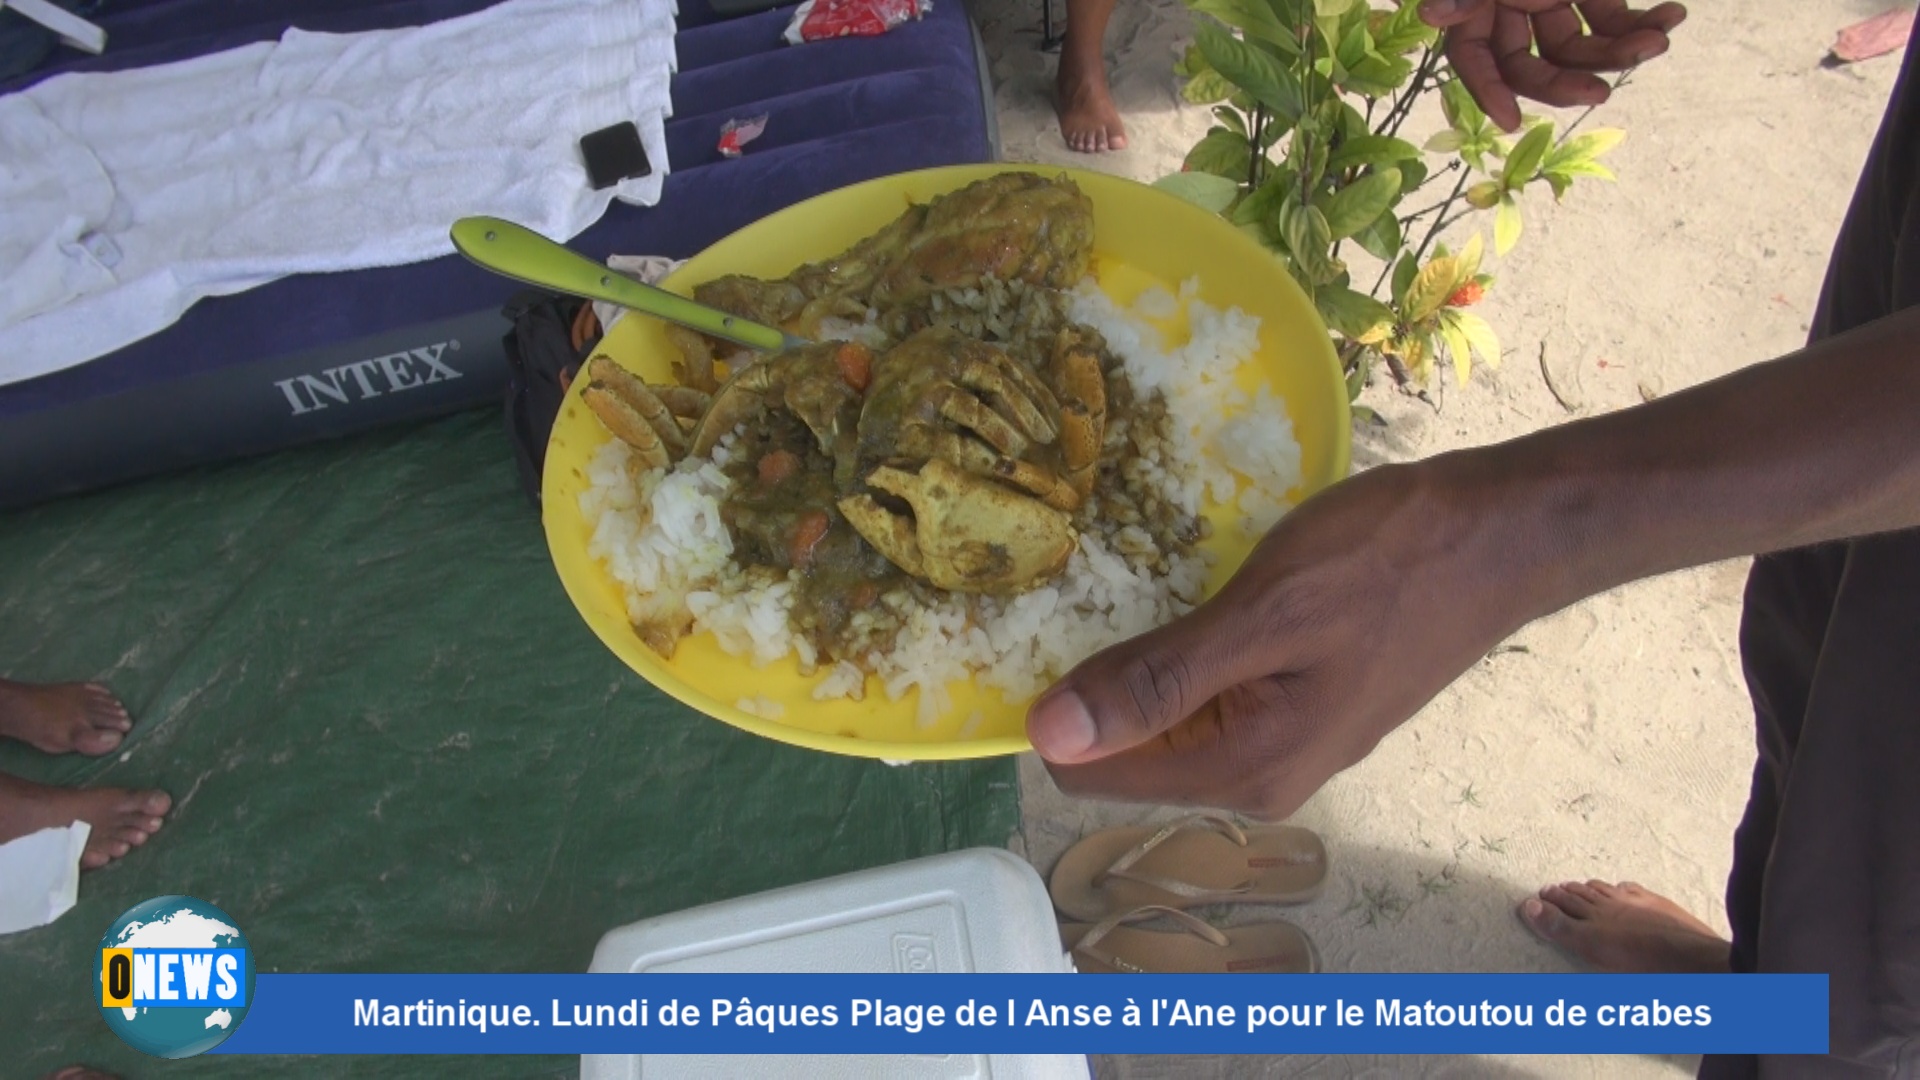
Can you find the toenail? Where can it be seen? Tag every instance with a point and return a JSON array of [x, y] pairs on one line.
[[1532, 908]]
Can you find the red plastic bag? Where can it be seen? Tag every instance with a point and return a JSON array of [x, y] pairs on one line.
[[817, 20], [736, 134]]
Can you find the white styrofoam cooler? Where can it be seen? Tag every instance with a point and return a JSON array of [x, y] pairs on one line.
[[981, 910]]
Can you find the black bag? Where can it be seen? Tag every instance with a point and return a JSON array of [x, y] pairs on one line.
[[550, 339]]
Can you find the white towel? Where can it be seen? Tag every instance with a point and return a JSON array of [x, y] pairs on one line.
[[126, 196]]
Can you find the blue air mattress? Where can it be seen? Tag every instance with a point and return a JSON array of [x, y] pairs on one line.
[[323, 355]]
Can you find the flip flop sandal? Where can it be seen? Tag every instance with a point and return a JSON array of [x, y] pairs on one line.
[[1114, 947], [1192, 862]]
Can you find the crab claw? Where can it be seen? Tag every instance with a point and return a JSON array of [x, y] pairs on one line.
[[644, 417], [813, 382], [1082, 391], [967, 534]]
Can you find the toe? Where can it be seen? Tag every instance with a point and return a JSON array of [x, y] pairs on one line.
[[1589, 891], [1544, 918], [156, 803], [1603, 888], [96, 741], [1116, 141], [107, 699], [102, 704], [1564, 898], [132, 836], [93, 858]]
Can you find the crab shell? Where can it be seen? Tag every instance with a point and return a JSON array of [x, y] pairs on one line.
[[967, 533]]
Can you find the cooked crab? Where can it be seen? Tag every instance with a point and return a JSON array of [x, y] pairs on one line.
[[820, 384], [940, 394], [966, 533], [1016, 226], [653, 420]]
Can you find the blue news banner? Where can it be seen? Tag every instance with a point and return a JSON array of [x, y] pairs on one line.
[[1033, 1014]]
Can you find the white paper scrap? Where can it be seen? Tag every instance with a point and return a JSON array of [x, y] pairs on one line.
[[40, 876]]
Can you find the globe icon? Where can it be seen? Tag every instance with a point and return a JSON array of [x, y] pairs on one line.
[[176, 1031]]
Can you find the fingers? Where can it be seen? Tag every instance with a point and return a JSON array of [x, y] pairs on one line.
[[1242, 751], [1492, 46], [1444, 14], [1532, 77], [1626, 43], [1469, 49], [1134, 691], [1613, 18], [1565, 42]]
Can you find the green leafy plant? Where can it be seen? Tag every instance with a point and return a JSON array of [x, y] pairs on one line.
[[1307, 155]]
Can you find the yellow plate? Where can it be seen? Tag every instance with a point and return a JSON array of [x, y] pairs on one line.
[[1143, 237]]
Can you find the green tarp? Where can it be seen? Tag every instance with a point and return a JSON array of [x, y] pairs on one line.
[[391, 743]]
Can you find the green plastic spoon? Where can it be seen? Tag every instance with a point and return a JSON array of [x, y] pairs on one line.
[[518, 252]]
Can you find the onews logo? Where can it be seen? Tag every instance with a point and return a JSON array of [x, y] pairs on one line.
[[175, 977]]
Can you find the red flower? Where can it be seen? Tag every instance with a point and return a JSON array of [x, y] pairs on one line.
[[1467, 295]]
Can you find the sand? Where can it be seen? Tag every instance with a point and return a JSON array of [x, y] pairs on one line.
[[1615, 739]]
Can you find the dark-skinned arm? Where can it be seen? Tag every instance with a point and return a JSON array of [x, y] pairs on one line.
[[1363, 604]]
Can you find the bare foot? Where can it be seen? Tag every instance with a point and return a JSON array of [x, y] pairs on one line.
[[1624, 929], [1089, 120], [80, 1072], [122, 820], [63, 718]]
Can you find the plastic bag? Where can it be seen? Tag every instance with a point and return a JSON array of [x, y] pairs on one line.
[[817, 20], [551, 336], [736, 134]]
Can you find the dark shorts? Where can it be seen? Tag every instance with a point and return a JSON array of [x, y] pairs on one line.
[[1826, 867]]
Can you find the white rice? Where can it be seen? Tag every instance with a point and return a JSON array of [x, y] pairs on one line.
[[661, 536], [761, 706]]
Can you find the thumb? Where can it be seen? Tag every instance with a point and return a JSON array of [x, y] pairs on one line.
[[1129, 693]]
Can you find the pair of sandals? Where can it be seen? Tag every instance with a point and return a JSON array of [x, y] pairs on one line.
[[1113, 880]]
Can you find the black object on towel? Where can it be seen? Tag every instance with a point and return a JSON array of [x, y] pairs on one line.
[[541, 362], [614, 154]]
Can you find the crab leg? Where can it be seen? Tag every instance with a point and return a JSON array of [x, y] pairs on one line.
[[966, 411], [633, 412], [684, 402], [1083, 409], [1014, 389]]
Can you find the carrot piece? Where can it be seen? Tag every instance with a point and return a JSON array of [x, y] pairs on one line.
[[778, 466], [864, 594], [856, 364], [807, 536]]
